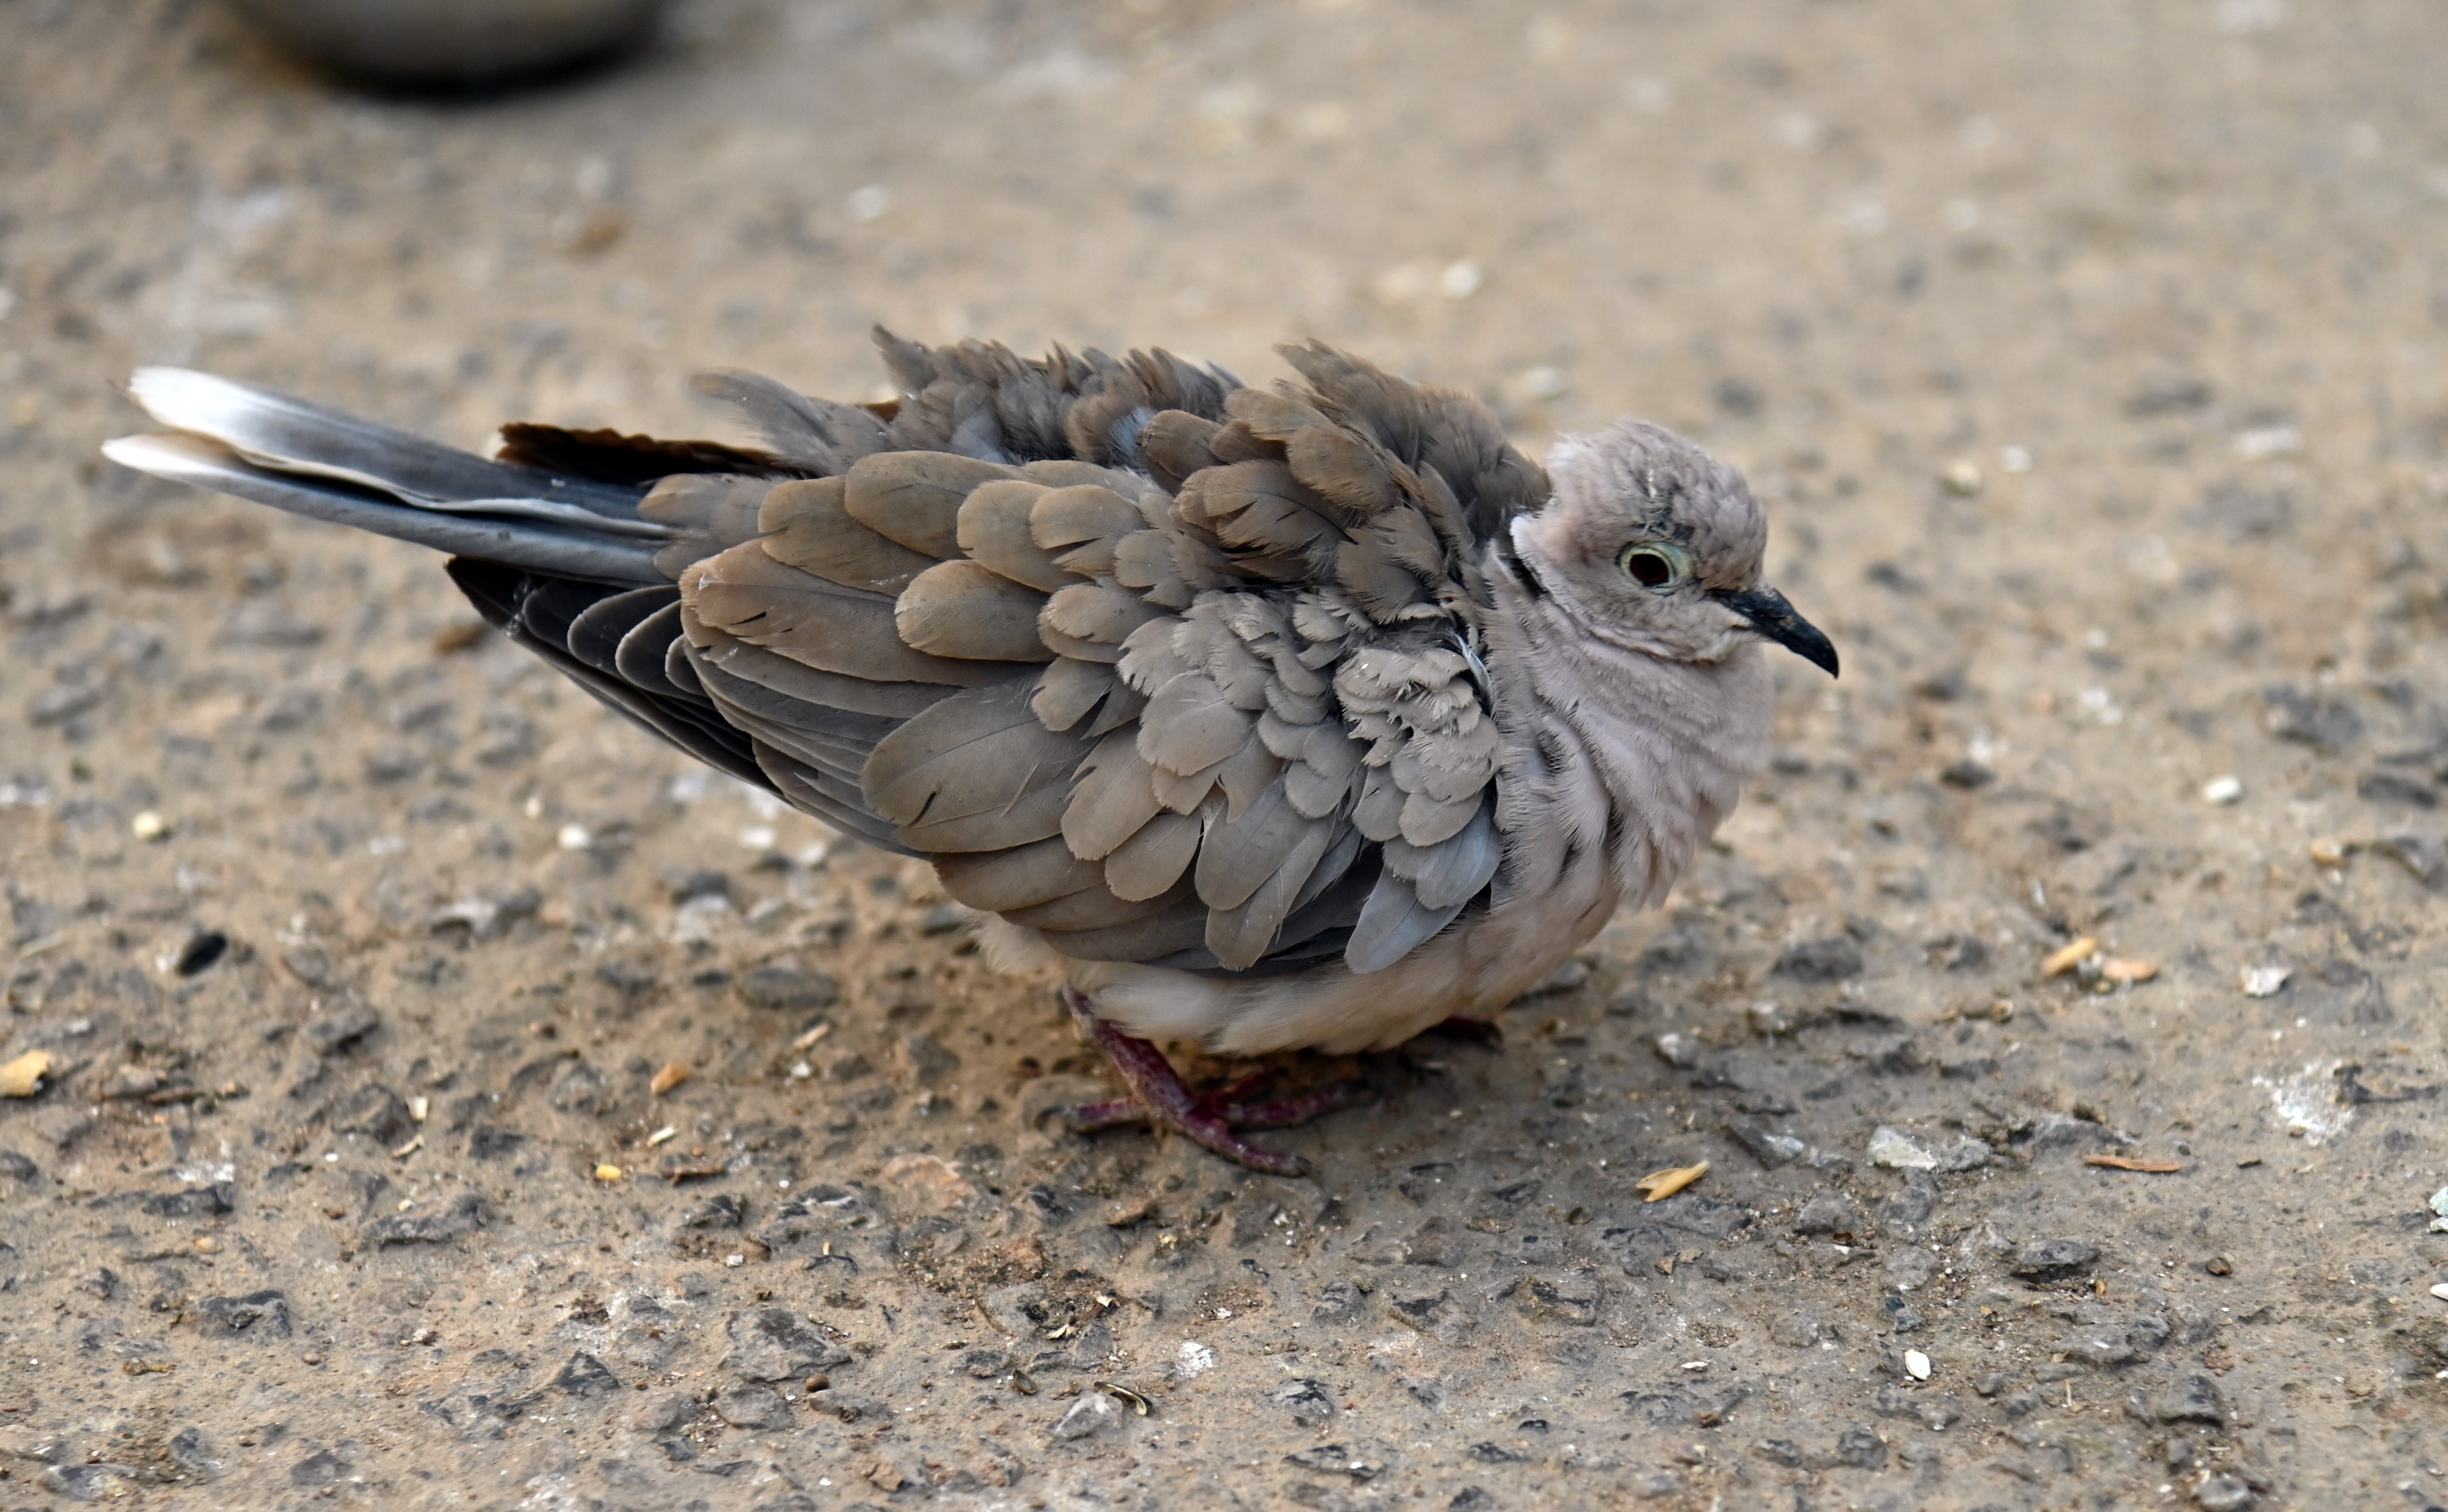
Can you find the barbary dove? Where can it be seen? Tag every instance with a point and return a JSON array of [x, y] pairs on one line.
[[1297, 718]]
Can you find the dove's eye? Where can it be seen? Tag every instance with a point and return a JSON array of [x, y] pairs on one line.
[[1659, 567]]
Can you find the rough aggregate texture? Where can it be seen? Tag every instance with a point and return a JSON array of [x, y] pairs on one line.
[[456, 1100]]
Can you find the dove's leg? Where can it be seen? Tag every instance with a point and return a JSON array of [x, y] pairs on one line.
[[1159, 1096]]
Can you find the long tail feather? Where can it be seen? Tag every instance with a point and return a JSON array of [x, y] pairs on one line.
[[260, 443], [550, 548]]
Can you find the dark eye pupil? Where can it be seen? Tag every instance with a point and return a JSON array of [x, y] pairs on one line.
[[1649, 568]]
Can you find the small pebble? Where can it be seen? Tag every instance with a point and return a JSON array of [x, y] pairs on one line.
[[2265, 980], [2222, 790], [149, 825], [574, 837], [2219, 1265], [869, 202], [1917, 1364], [1961, 477]]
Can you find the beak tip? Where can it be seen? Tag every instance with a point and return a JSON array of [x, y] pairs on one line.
[[1768, 613]]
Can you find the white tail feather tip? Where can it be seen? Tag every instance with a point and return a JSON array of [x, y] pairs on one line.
[[187, 400]]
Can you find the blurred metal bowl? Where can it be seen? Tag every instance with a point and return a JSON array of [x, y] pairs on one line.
[[452, 42]]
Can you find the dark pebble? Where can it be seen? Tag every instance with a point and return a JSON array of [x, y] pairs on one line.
[[2397, 788], [2052, 1259], [1829, 960], [199, 954], [2189, 1399], [1967, 774], [789, 988], [258, 1312], [584, 1375], [1308, 1402]]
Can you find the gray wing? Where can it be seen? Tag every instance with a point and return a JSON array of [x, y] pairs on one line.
[[1167, 669]]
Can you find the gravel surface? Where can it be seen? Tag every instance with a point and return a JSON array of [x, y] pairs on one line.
[[444, 1097]]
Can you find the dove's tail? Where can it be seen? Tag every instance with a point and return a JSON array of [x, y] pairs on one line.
[[260, 443]]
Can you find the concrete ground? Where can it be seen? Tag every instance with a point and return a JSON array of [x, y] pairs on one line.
[[2090, 356]]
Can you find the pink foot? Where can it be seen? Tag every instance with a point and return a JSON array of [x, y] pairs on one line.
[[1158, 1098]]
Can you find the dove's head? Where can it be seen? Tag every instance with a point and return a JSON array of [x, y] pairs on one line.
[[1655, 545]]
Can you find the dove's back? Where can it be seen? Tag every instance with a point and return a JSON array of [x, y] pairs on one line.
[[1174, 675]]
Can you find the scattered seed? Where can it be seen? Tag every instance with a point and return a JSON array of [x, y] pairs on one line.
[[2127, 1162], [460, 634], [2222, 790], [2441, 1291], [1122, 1393], [149, 826], [418, 1107], [1022, 1383], [23, 1077], [607, 1172], [206, 1244], [669, 1077], [1659, 1185], [813, 1033], [1961, 477], [2219, 1265], [661, 1136], [2328, 851], [1917, 1364], [2118, 968], [2065, 958]]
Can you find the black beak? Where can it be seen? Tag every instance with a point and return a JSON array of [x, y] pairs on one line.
[[1773, 618]]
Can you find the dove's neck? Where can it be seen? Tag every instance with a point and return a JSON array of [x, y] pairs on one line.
[[1613, 752]]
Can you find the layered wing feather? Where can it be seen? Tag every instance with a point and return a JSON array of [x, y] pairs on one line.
[[1165, 668]]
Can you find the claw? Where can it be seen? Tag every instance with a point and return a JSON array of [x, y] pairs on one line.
[[1158, 1098]]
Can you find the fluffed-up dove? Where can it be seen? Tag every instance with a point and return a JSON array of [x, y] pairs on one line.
[[1303, 717]]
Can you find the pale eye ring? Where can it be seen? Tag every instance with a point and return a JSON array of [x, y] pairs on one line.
[[1661, 566]]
